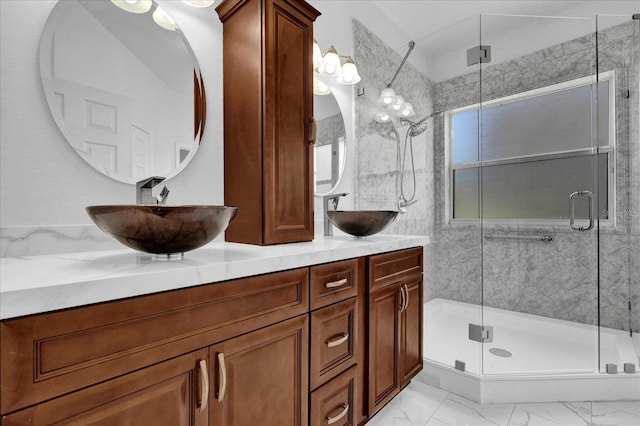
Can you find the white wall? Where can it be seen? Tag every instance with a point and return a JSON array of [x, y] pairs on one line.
[[43, 182]]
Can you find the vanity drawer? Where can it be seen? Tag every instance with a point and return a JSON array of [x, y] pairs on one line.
[[333, 282], [44, 356], [334, 340], [389, 268], [335, 402]]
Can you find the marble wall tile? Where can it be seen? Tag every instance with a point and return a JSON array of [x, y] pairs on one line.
[[376, 145], [557, 280], [330, 129]]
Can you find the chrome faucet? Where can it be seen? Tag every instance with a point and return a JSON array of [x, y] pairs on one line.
[[143, 191], [334, 199]]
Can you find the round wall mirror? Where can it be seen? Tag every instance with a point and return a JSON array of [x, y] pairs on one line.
[[330, 147], [123, 86]]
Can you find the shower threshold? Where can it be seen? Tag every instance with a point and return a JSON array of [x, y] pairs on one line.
[[550, 359]]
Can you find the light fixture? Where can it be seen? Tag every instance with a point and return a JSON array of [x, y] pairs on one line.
[[133, 6], [398, 104], [382, 117], [330, 63], [406, 111], [199, 3], [163, 19], [320, 87], [349, 72], [387, 97]]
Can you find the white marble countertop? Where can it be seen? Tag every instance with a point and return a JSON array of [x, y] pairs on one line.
[[36, 284]]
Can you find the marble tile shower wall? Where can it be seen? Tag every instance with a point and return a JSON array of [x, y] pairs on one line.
[[555, 280], [375, 170], [330, 129], [559, 279]]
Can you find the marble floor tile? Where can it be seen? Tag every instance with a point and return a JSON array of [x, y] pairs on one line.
[[616, 413], [422, 405], [415, 405], [556, 413], [456, 410]]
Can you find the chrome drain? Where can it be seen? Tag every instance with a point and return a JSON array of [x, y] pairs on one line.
[[500, 352]]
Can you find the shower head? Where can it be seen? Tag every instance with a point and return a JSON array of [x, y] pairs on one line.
[[417, 130], [419, 127]]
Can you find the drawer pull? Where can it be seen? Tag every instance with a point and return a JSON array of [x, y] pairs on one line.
[[345, 410], [338, 283], [340, 340], [222, 369], [204, 385]]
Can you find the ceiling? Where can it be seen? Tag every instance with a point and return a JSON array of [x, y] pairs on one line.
[[444, 29]]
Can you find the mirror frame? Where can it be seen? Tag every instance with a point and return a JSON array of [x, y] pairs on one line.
[[45, 64], [346, 142]]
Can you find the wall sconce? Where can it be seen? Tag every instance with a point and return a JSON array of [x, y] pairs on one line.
[[329, 64]]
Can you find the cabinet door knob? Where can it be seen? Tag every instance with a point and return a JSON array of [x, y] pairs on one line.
[[340, 340], [203, 395], [338, 283], [222, 370], [345, 410]]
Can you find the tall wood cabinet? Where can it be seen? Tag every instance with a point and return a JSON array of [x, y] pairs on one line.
[[395, 324], [268, 119]]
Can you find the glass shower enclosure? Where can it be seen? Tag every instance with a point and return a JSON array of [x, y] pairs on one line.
[[538, 165]]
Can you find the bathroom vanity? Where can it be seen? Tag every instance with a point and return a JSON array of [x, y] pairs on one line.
[[315, 333]]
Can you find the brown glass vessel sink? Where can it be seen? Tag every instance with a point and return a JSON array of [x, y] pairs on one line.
[[361, 223], [162, 229]]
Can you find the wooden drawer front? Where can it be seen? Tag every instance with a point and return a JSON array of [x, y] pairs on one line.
[[333, 282], [334, 403], [46, 355], [333, 340], [388, 268]]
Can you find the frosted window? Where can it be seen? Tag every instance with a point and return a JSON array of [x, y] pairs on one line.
[[536, 151]]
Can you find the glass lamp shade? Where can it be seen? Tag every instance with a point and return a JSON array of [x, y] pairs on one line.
[[320, 88], [133, 6], [407, 111], [382, 117], [398, 104], [349, 73], [387, 97], [199, 3], [331, 63], [163, 19]]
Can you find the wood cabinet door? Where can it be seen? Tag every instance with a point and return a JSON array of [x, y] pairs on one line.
[[384, 346], [169, 393], [262, 378], [411, 330], [288, 108]]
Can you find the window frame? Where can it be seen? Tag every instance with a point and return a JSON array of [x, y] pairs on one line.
[[609, 149]]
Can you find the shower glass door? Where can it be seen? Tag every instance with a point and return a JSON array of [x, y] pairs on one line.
[[544, 177], [619, 252]]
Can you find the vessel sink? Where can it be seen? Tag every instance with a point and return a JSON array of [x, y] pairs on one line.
[[164, 230], [361, 223]]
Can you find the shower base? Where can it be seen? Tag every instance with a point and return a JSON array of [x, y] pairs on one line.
[[531, 358]]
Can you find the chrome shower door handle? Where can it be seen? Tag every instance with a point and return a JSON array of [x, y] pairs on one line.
[[572, 214]]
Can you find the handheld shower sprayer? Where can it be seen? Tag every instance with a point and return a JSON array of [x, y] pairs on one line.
[[415, 129]]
